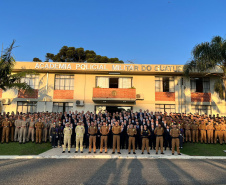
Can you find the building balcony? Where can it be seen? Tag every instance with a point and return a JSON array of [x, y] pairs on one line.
[[164, 96], [28, 94], [63, 94], [121, 95], [200, 97]]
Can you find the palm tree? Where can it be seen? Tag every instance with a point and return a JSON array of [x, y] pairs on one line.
[[207, 56], [7, 79]]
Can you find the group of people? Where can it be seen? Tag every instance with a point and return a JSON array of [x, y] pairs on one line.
[[118, 130]]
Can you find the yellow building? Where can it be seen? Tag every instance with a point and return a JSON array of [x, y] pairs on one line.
[[98, 86]]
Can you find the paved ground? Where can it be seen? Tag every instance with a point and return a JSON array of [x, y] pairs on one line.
[[57, 152], [112, 171]]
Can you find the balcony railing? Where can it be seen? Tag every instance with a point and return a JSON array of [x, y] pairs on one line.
[[63, 94], [28, 94], [114, 93], [200, 97], [164, 96]]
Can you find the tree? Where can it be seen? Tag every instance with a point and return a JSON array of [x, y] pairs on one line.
[[90, 54], [207, 56], [81, 55], [36, 60], [7, 79], [72, 54]]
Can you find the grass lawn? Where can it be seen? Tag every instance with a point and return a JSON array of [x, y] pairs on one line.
[[193, 149], [30, 148], [198, 149]]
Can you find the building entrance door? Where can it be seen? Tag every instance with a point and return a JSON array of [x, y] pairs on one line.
[[112, 109]]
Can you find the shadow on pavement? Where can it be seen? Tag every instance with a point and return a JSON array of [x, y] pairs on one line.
[[103, 173], [113, 172], [11, 162], [28, 167], [173, 173], [218, 166], [135, 175]]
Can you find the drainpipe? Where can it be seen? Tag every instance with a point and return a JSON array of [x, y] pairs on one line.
[[46, 89], [181, 94]]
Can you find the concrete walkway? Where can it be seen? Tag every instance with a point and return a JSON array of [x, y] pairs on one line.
[[56, 153]]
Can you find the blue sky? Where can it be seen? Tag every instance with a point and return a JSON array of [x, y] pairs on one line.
[[145, 31]]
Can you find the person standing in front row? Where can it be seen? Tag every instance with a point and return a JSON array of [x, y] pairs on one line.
[[67, 138], [210, 129], [181, 136], [39, 127], [187, 127], [175, 133], [23, 130], [31, 130], [104, 130], [167, 137], [54, 135], [17, 129], [152, 141], [79, 130], [202, 129], [116, 130], [159, 138], [45, 130], [224, 130], [92, 137], [60, 133], [132, 132], [195, 132], [145, 133], [12, 128], [5, 131]]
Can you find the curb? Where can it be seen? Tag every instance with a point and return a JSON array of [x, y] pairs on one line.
[[108, 157]]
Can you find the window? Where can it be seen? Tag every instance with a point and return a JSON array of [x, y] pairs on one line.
[[125, 82], [106, 82], [165, 108], [164, 84], [200, 85], [158, 85], [113, 82], [62, 107], [68, 107], [102, 82], [64, 82], [100, 108], [201, 109], [26, 107], [206, 85], [111, 109], [31, 80]]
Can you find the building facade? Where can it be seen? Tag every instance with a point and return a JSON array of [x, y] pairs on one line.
[[60, 87]]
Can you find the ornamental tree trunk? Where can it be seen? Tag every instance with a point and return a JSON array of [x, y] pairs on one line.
[[224, 82]]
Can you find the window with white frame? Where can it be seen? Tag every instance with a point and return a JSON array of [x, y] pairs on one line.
[[164, 84], [26, 107], [32, 80], [102, 82], [113, 82], [64, 82], [201, 109], [200, 85], [62, 106], [165, 108], [125, 82]]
